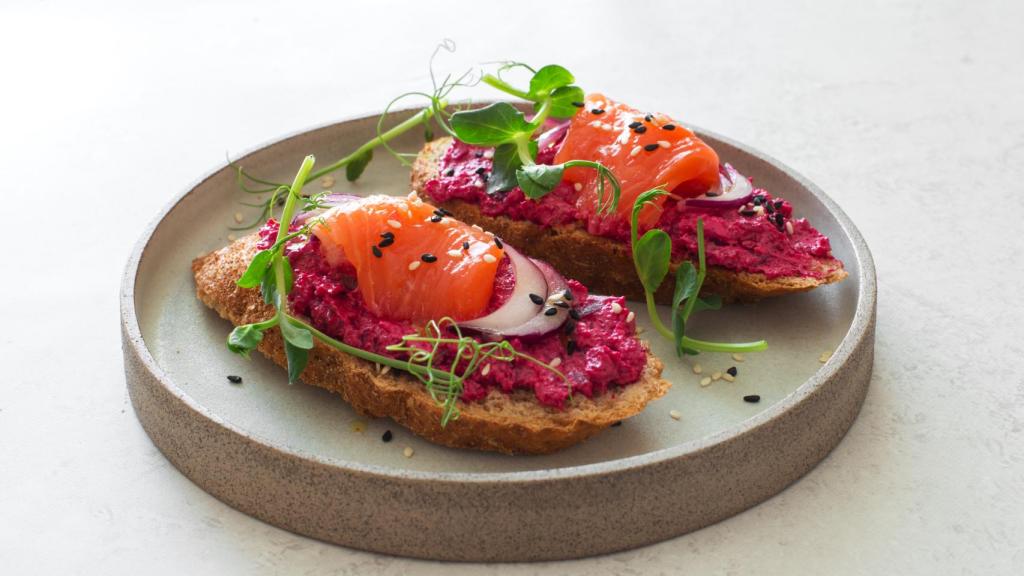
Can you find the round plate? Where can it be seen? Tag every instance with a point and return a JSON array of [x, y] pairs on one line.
[[298, 457]]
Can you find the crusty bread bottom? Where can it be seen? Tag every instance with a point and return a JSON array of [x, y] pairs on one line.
[[602, 264], [509, 423]]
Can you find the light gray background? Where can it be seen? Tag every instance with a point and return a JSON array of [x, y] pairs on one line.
[[909, 114]]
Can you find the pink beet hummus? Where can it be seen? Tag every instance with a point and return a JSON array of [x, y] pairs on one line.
[[597, 353], [758, 242]]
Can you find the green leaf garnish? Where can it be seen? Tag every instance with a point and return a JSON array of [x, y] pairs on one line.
[[244, 339], [536, 180], [562, 101], [355, 168], [652, 256], [503, 172], [549, 78], [685, 289], [491, 125], [297, 358], [257, 268]]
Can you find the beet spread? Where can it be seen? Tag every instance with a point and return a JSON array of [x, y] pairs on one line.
[[756, 242], [604, 350]]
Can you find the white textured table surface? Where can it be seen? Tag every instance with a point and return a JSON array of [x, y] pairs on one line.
[[909, 114]]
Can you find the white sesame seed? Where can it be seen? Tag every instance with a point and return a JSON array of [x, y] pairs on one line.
[[716, 376], [414, 264], [555, 363], [607, 126], [408, 452], [486, 370], [824, 356], [675, 414], [231, 237], [728, 377], [577, 186], [489, 258], [478, 227], [596, 123], [478, 183], [737, 357], [385, 370], [616, 308], [663, 143], [635, 151], [705, 382], [394, 223], [789, 227], [412, 196], [489, 153], [238, 217], [630, 317], [326, 182], [697, 369], [759, 210], [455, 253]]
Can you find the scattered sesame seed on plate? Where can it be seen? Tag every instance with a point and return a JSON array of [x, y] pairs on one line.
[[716, 376], [824, 356], [675, 414], [394, 223], [489, 258], [752, 398], [616, 308], [414, 264], [705, 382], [697, 369], [387, 436], [737, 357], [728, 377], [234, 379], [732, 371], [408, 452]]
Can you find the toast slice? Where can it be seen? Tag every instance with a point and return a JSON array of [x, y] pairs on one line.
[[510, 423], [602, 264]]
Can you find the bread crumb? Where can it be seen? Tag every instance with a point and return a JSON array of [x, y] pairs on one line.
[[737, 357], [326, 182], [705, 382], [675, 414], [408, 452], [697, 369]]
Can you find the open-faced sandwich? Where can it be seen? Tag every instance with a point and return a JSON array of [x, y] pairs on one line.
[[422, 308]]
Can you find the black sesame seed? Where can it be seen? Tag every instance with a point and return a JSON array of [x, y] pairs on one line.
[[640, 129], [769, 207], [619, 423], [450, 172], [752, 398], [387, 436], [635, 124], [778, 204], [436, 218], [386, 242], [732, 371], [479, 154], [570, 347], [497, 242], [428, 257], [747, 212], [388, 234], [481, 170], [567, 295], [779, 219], [377, 252], [444, 212], [570, 327], [669, 127], [648, 117], [536, 299], [235, 379], [758, 200], [574, 314], [465, 245], [551, 311], [651, 147], [597, 111], [578, 104]]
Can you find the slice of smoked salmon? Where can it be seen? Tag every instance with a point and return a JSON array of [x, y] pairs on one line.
[[642, 150], [429, 265]]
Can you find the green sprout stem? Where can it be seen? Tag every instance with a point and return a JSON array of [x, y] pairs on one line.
[[495, 82]]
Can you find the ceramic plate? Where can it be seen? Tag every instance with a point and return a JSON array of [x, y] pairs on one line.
[[300, 458]]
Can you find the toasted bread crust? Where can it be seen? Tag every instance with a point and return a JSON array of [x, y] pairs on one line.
[[509, 423], [602, 264]]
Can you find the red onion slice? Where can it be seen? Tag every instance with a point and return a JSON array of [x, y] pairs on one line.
[[520, 315], [552, 136], [734, 189]]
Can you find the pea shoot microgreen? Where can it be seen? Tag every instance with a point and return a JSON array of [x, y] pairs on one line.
[[652, 257]]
